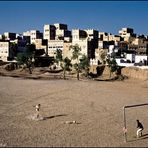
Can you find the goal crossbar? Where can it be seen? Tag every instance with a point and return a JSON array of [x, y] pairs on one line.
[[135, 105]]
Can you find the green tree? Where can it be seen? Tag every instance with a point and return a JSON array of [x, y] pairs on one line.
[[13, 49], [30, 50], [64, 63], [112, 64], [76, 52], [27, 57], [59, 56], [84, 64], [3, 37]]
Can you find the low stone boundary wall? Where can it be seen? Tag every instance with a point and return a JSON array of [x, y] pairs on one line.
[[135, 72]]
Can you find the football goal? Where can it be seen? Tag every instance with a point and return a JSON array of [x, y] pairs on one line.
[[138, 113]]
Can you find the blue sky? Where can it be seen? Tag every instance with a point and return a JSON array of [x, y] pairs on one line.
[[107, 16]]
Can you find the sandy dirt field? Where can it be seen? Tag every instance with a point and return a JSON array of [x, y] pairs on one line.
[[96, 106]]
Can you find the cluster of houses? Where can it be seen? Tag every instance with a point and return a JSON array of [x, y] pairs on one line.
[[127, 48]]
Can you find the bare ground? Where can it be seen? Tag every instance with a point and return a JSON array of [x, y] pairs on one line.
[[96, 106]]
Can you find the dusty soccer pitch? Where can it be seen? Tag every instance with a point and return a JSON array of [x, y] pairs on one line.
[[96, 106]]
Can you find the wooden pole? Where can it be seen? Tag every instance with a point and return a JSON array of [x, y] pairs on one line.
[[128, 106], [124, 126]]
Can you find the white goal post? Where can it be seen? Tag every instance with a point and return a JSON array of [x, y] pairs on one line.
[[124, 118]]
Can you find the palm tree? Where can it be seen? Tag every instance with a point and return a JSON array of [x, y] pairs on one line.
[[75, 56]]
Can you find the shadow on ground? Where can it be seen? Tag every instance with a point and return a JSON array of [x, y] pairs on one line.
[[50, 117], [145, 136]]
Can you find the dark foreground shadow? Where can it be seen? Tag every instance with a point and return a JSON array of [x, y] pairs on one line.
[[145, 136], [50, 117]]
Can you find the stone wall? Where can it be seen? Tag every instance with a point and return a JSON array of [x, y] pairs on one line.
[[135, 72], [131, 72]]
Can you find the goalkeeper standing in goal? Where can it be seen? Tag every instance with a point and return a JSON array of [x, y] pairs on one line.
[[139, 128]]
